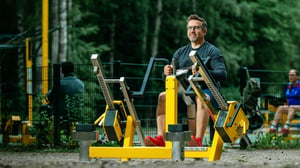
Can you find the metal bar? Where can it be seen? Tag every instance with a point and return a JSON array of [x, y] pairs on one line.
[[196, 148], [56, 108], [209, 81], [101, 78], [84, 151], [147, 76], [131, 152], [132, 111], [29, 78], [171, 103], [109, 99], [45, 25], [148, 152], [112, 80], [201, 95]]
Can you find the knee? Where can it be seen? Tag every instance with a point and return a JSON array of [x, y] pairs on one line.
[[162, 97], [280, 109], [291, 110], [199, 103]]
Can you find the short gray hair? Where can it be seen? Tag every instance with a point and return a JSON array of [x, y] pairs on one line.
[[196, 17]]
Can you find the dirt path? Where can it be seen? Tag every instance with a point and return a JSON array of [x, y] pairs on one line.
[[231, 158]]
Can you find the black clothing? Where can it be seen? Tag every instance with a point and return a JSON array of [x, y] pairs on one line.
[[70, 96], [215, 64]]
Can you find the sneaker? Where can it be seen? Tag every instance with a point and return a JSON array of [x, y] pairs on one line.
[[156, 141], [273, 131], [195, 142], [284, 132]]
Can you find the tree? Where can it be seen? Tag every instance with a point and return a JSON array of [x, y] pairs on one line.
[[275, 27], [54, 37], [157, 28], [63, 38], [257, 34]]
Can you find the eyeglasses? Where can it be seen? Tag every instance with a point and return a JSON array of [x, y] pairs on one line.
[[195, 28]]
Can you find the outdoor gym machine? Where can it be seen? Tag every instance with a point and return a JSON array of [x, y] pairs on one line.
[[230, 123]]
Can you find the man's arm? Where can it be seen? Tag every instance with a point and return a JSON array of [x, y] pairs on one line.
[[217, 64]]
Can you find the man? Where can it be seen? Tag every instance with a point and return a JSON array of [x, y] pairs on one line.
[[292, 93], [196, 31], [70, 96]]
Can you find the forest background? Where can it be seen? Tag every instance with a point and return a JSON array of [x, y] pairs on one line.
[[255, 34]]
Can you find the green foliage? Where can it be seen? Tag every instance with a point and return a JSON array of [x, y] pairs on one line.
[[231, 93], [271, 141], [73, 107], [274, 26], [33, 148], [43, 130], [261, 34], [83, 34]]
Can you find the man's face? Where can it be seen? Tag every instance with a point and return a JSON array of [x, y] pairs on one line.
[[194, 31], [292, 76]]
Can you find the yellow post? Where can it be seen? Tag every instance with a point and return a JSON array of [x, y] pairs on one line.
[[129, 135], [171, 103], [216, 148], [45, 48], [29, 78]]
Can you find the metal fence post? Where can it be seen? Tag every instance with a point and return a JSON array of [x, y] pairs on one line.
[[56, 112], [116, 75]]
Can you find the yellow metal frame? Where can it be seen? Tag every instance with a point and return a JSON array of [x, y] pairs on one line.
[[116, 124], [236, 123], [25, 138], [45, 46], [29, 78], [128, 151]]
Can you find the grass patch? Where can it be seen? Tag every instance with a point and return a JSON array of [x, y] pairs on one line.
[[271, 141], [35, 148]]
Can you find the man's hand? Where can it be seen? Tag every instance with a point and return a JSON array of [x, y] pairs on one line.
[[168, 69], [194, 69]]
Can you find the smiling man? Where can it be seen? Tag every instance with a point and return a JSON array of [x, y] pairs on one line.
[[197, 116]]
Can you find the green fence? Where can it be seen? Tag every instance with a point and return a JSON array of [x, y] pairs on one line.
[[14, 97]]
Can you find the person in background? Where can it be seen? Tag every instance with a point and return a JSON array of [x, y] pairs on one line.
[[292, 94], [70, 97], [196, 31]]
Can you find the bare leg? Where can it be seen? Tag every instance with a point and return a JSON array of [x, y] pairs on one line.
[[161, 115], [278, 115], [202, 119], [161, 120], [191, 115], [291, 112]]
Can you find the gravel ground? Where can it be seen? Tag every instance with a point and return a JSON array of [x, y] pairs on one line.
[[231, 158]]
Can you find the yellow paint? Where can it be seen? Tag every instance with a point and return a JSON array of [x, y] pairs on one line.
[[45, 45], [171, 103], [29, 78], [128, 151], [131, 152]]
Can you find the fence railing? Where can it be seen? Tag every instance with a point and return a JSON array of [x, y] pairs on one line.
[[272, 83], [14, 97]]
